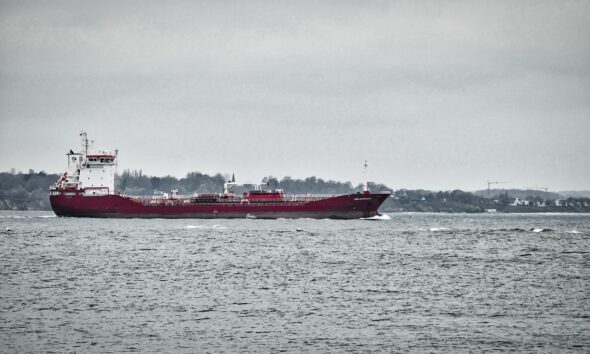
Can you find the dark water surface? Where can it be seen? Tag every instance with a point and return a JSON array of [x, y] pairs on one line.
[[416, 282]]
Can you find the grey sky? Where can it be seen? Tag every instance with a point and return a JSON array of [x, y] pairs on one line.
[[435, 94]]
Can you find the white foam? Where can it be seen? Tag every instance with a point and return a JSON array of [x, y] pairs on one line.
[[195, 227], [574, 232], [435, 229], [217, 227], [379, 217], [537, 230], [26, 216]]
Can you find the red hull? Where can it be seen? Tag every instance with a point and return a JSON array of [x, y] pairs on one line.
[[351, 206]]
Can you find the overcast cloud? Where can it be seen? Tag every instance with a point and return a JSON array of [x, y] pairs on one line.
[[435, 94]]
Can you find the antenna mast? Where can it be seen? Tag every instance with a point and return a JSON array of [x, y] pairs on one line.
[[366, 186], [84, 136]]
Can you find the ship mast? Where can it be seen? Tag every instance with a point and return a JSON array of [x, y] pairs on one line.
[[366, 186], [84, 136]]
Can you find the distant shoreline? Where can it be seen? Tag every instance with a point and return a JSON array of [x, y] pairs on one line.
[[30, 192]]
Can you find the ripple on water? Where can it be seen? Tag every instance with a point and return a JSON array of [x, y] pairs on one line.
[[414, 282]]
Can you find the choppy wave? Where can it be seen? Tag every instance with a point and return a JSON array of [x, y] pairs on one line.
[[413, 275], [514, 229], [537, 229]]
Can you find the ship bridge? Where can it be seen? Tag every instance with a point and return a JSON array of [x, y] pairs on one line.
[[91, 171], [101, 157]]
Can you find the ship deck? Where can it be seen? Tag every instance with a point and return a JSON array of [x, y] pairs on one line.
[[229, 201]]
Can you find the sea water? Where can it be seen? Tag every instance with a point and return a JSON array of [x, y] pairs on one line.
[[413, 282]]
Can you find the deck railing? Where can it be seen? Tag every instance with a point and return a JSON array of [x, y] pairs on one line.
[[235, 201]]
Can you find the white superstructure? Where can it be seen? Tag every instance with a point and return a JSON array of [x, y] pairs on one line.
[[92, 171]]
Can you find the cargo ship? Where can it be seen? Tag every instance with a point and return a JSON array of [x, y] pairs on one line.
[[87, 189]]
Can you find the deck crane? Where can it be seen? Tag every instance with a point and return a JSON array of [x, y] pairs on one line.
[[495, 182]]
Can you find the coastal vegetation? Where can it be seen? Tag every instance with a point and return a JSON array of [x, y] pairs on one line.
[[29, 191]]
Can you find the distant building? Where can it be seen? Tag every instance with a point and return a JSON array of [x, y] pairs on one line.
[[517, 201]]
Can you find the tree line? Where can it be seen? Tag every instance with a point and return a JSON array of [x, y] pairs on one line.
[[30, 191]]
